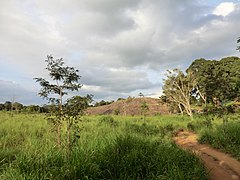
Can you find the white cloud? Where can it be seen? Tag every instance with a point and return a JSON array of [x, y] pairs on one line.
[[120, 47], [224, 9]]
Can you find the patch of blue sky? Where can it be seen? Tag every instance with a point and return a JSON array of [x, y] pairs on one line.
[[10, 73], [75, 57]]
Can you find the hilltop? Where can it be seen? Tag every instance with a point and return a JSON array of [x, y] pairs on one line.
[[130, 106]]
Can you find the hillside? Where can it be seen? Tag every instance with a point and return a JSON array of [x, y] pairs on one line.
[[130, 106]]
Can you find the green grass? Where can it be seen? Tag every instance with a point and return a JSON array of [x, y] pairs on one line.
[[225, 137], [109, 148]]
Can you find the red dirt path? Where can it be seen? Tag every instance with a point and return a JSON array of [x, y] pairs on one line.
[[221, 166]]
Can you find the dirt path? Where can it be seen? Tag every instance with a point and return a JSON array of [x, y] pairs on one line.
[[220, 165]]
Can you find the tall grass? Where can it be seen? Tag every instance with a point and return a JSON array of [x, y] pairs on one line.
[[109, 148], [225, 137]]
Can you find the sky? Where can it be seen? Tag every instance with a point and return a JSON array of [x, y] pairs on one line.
[[120, 47]]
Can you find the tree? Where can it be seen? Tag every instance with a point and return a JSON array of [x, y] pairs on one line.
[[238, 41], [172, 106], [2, 107], [8, 105], [141, 95], [17, 106], [63, 79], [202, 70], [144, 110], [178, 87], [217, 81], [73, 108]]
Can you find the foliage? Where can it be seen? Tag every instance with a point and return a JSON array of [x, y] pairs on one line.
[[7, 105], [225, 137], [217, 81], [144, 109], [73, 109], [116, 111], [103, 103], [238, 41], [178, 87], [102, 152], [141, 95], [65, 78]]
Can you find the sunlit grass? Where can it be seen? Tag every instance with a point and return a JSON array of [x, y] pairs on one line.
[[110, 147], [225, 137]]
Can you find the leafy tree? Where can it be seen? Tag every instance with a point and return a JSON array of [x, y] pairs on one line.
[[119, 99], [103, 103], [2, 107], [178, 87], [217, 81], [141, 95], [17, 106], [144, 110], [8, 105], [32, 109], [238, 41], [202, 70], [63, 79], [73, 108]]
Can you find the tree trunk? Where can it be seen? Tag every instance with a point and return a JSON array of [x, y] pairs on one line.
[[180, 108], [61, 118], [59, 135], [203, 97], [188, 110]]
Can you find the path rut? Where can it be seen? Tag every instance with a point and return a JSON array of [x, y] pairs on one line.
[[221, 166]]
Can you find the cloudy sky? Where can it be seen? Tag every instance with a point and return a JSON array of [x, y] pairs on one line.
[[121, 47]]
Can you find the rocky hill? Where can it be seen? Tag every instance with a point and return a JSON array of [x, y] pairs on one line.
[[130, 106]]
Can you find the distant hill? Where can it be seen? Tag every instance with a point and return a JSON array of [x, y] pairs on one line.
[[130, 106]]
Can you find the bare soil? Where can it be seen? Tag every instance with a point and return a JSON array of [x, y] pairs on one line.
[[130, 107], [221, 166]]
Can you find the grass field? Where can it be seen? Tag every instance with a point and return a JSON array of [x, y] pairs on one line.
[[110, 147], [225, 137]]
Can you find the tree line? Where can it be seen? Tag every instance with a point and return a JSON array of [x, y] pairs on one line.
[[19, 107]]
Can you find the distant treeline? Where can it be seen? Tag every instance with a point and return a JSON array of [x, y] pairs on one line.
[[18, 107], [103, 102]]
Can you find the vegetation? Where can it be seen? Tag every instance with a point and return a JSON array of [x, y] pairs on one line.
[[217, 81], [103, 103], [238, 41], [207, 84], [177, 88], [110, 147], [225, 137], [144, 110], [115, 147]]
